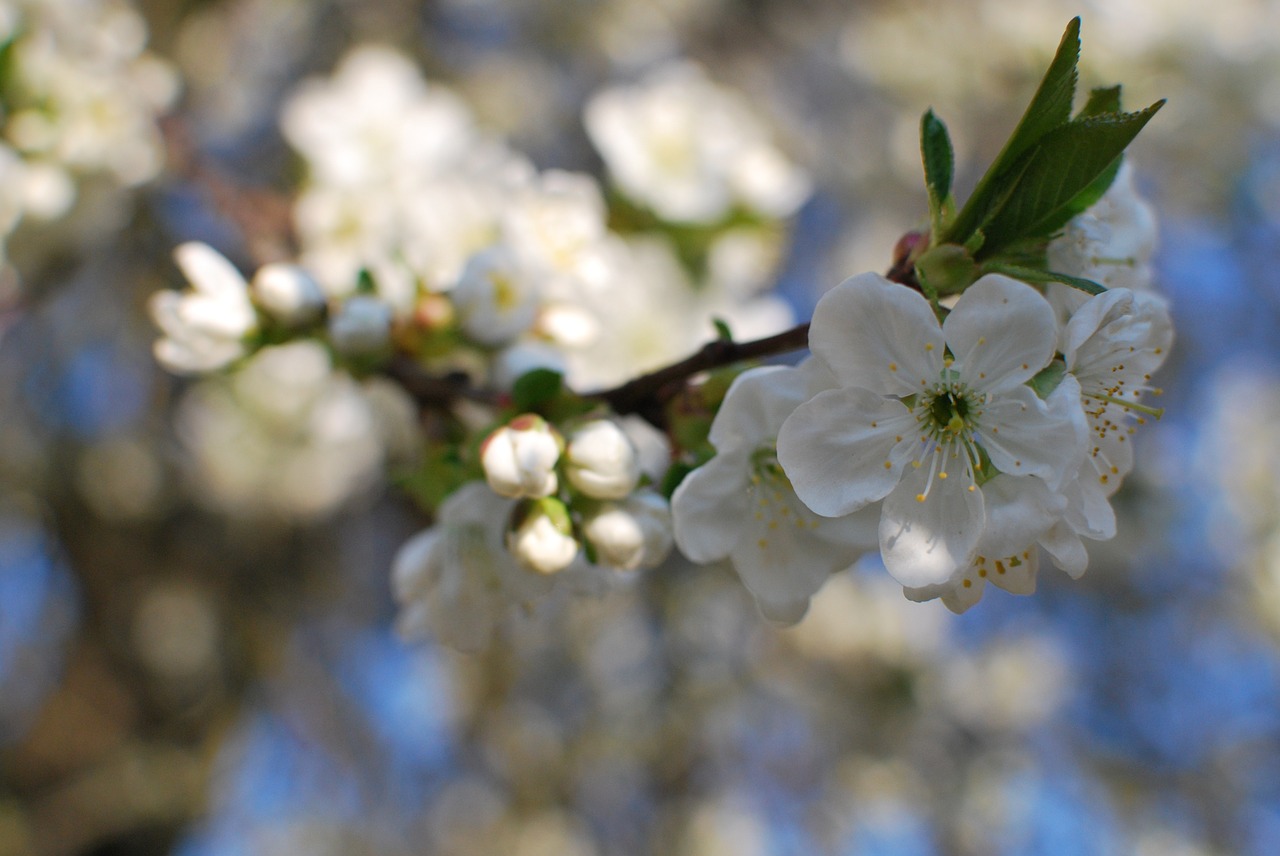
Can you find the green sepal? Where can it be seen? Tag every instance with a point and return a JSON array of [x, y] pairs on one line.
[[946, 269], [535, 388], [1048, 379], [939, 169]]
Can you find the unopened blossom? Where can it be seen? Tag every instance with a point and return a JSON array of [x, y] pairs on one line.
[[922, 411], [288, 294], [457, 579], [542, 536], [601, 461], [740, 505], [520, 458], [205, 329], [632, 533], [361, 326], [496, 297]]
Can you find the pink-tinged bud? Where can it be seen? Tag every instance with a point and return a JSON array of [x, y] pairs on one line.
[[519, 459]]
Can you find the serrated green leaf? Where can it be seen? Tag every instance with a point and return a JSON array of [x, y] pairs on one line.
[[1049, 108], [939, 168], [1066, 162], [1105, 99], [536, 388], [1036, 275], [1087, 198]]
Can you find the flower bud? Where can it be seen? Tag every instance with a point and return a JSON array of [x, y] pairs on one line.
[[288, 294], [519, 459], [542, 538], [601, 461], [361, 326], [634, 533]]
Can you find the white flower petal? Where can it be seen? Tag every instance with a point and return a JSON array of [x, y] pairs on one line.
[[755, 406], [1066, 549], [844, 448], [208, 270], [1019, 510], [1015, 577], [925, 543], [1025, 436], [710, 506], [877, 335], [783, 560], [1001, 332]]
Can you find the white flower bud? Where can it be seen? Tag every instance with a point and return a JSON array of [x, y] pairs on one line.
[[542, 539], [601, 461], [634, 533], [519, 459], [496, 298], [361, 326], [288, 294]]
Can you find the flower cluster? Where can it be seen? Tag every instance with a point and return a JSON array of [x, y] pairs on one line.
[[958, 415], [81, 96]]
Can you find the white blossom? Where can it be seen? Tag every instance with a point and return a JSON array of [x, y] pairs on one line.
[[632, 533], [520, 458], [205, 329], [741, 505], [690, 149], [496, 297], [457, 579], [1112, 346], [918, 406], [601, 461]]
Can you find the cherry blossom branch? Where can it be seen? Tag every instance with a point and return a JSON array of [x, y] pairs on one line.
[[646, 395]]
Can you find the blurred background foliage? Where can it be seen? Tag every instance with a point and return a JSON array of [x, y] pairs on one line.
[[195, 669]]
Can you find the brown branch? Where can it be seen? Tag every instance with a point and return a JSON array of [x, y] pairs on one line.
[[435, 390], [647, 394]]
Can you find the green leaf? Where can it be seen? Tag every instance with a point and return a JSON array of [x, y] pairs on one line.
[[939, 169], [723, 333], [1087, 198], [1105, 99], [1049, 108], [1027, 274], [535, 388], [1064, 164]]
